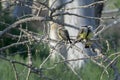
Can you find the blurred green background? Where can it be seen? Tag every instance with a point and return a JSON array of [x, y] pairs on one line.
[[40, 51]]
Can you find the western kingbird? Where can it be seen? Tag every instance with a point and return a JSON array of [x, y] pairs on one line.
[[63, 34]]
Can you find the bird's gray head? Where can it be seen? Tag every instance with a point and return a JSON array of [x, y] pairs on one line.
[[90, 27]]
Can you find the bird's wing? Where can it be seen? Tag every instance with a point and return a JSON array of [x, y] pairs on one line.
[[62, 34], [90, 36]]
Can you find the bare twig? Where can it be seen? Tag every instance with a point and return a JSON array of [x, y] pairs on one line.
[[29, 62], [68, 60], [13, 44], [107, 26], [59, 7], [97, 18], [44, 61], [33, 69], [118, 53], [15, 71], [108, 45], [110, 64]]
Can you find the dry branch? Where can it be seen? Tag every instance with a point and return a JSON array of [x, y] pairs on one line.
[[21, 21]]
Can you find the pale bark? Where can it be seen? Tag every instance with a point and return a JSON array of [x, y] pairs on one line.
[[78, 22], [73, 53], [53, 32]]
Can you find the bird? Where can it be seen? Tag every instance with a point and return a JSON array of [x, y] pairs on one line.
[[85, 36], [63, 34], [82, 34]]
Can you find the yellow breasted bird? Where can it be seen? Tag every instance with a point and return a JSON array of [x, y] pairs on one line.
[[63, 34], [85, 36], [82, 34]]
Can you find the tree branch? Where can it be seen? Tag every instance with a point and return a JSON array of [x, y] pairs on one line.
[[21, 21]]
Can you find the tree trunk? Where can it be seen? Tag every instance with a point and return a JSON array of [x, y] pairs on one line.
[[78, 22], [53, 32], [22, 8], [73, 53]]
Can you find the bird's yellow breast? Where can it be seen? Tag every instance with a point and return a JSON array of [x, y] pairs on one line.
[[83, 35]]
